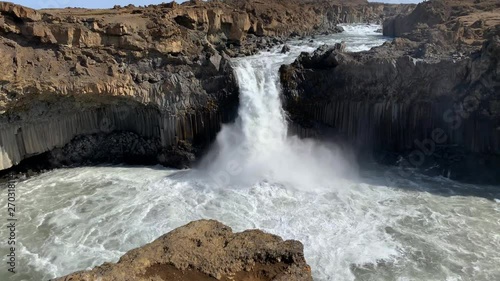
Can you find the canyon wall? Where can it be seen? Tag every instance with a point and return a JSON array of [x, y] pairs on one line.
[[67, 73], [155, 81], [390, 102], [307, 17], [446, 21], [430, 104]]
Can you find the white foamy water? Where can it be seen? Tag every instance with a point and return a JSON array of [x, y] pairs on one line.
[[354, 227], [257, 145], [73, 219]]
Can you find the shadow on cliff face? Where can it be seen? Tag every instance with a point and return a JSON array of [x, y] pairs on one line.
[[448, 171], [473, 174], [437, 118], [113, 148], [116, 133]]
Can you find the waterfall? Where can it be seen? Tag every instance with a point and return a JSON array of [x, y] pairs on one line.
[[422, 228], [262, 120], [257, 146]]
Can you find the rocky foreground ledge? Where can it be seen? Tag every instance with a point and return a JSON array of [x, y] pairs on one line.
[[207, 250]]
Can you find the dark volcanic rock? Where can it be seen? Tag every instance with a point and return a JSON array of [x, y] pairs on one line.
[[388, 100], [431, 96], [207, 250], [285, 49]]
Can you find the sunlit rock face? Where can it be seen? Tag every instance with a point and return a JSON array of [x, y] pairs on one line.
[[68, 74], [160, 72]]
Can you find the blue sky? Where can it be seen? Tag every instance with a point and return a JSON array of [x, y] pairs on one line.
[[38, 4]]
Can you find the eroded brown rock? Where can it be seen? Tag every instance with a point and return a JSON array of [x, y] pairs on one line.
[[20, 12], [447, 22], [207, 250]]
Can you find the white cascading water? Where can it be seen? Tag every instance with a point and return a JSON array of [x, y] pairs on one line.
[[257, 147], [353, 228]]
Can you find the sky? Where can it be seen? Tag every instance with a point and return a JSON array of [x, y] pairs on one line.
[[39, 4]]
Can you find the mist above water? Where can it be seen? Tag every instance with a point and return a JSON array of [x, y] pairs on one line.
[[257, 146]]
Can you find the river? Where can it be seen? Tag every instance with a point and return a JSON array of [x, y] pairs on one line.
[[355, 224]]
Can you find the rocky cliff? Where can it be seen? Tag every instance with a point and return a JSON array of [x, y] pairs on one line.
[[148, 84], [308, 17], [435, 106], [447, 23], [207, 250], [73, 72]]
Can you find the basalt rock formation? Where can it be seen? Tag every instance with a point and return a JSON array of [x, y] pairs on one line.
[[207, 250], [73, 72], [148, 84], [435, 107]]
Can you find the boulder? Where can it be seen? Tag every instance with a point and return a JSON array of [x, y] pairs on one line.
[[117, 29], [340, 47], [285, 49], [215, 61], [207, 250], [20, 12], [240, 25]]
